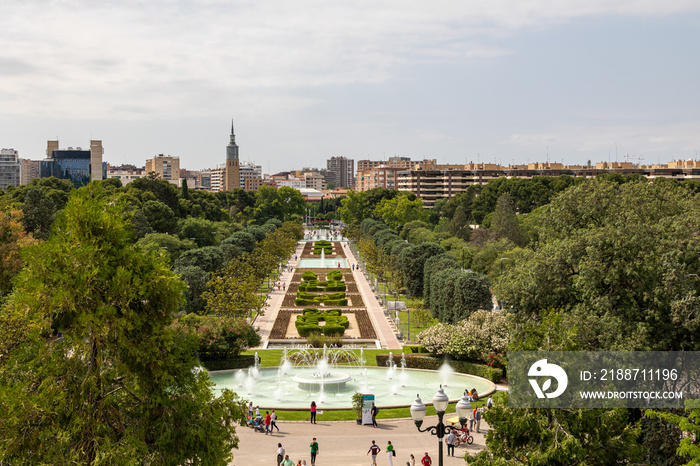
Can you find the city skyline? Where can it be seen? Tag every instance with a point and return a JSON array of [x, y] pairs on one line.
[[490, 83]]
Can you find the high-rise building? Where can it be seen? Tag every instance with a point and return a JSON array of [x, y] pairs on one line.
[[342, 171], [9, 168], [29, 169], [166, 167], [249, 170], [77, 165], [233, 175]]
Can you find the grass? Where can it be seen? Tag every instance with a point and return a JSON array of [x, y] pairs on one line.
[[273, 357]]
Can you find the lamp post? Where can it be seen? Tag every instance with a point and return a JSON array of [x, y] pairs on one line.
[[440, 402]]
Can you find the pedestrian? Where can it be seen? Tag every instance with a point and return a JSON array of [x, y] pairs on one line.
[[451, 437], [374, 412], [250, 409], [471, 420], [313, 412], [287, 461], [477, 416], [279, 287], [390, 453], [411, 461], [489, 402], [273, 421], [268, 420], [280, 454], [284, 287], [314, 451], [257, 411], [426, 461], [374, 449]]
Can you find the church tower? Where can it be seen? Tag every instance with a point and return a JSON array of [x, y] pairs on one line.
[[233, 173]]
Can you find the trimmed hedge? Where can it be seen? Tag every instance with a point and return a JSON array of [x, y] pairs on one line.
[[315, 285], [241, 362], [309, 275], [307, 322], [304, 298], [334, 275], [422, 361]]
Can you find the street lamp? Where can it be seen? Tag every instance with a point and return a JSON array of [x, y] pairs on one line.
[[440, 402]]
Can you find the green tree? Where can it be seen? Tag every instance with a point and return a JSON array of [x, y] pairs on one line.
[[160, 217], [471, 291], [12, 239], [504, 223], [119, 387], [208, 258], [161, 242], [233, 292], [242, 240], [432, 266], [196, 280], [400, 210], [39, 213], [292, 202], [412, 260], [201, 231]]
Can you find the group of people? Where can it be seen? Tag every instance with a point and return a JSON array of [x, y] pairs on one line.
[[284, 460], [374, 450], [259, 423]]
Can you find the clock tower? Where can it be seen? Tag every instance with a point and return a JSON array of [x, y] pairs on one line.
[[233, 173]]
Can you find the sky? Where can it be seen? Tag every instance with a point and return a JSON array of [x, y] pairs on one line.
[[459, 81]]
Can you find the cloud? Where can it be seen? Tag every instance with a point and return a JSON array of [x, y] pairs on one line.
[[154, 59]]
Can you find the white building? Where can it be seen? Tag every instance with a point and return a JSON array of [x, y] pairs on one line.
[[9, 168]]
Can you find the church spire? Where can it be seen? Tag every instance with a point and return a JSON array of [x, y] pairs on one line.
[[233, 136]]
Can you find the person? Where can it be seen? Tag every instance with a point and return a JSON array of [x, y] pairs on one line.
[[287, 461], [471, 420], [273, 421], [374, 412], [268, 420], [411, 461], [257, 411], [451, 437], [489, 402], [280, 454], [374, 449], [426, 461], [284, 287], [477, 416], [299, 463], [390, 453], [313, 412], [250, 409], [314, 451]]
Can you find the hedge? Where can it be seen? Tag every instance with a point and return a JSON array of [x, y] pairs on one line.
[[422, 361], [315, 285], [334, 275], [241, 362], [308, 322], [309, 275]]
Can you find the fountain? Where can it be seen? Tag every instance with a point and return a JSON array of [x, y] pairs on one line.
[[445, 372], [332, 375], [323, 258]]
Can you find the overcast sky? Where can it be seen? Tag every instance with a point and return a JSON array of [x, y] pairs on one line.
[[462, 80]]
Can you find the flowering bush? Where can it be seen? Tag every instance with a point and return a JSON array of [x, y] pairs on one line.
[[482, 336], [219, 337]]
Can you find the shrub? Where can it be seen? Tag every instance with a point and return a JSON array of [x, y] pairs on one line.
[[220, 338], [421, 361], [309, 275], [317, 340], [334, 275], [331, 330], [308, 322], [241, 362], [306, 329]]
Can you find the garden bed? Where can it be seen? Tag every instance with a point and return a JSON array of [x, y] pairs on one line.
[[285, 317]]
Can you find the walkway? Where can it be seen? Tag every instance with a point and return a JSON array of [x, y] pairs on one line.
[[385, 333], [346, 443]]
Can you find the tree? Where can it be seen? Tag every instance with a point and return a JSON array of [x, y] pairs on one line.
[[400, 210], [412, 260], [621, 259], [119, 386], [160, 217], [233, 292], [208, 258], [201, 231], [242, 240], [12, 239], [432, 266], [504, 222], [161, 242], [472, 292], [39, 213], [413, 224], [196, 280], [292, 202]]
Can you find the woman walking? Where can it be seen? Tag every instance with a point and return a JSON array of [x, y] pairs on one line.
[[390, 453]]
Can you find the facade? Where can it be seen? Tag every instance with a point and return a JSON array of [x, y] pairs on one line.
[[167, 167], [77, 165], [341, 171], [10, 168], [379, 177], [249, 170], [126, 173], [29, 169], [396, 162], [314, 180], [295, 183], [232, 175]]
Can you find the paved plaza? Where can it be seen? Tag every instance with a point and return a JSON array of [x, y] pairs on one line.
[[346, 443]]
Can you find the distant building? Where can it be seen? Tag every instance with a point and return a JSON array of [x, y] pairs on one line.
[[29, 169], [378, 177], [249, 170], [232, 174], [314, 180], [167, 167], [341, 171], [126, 173], [10, 168], [77, 165]]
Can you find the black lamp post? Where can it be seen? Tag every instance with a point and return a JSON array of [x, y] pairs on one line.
[[440, 402]]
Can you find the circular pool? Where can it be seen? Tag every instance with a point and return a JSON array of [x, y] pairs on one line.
[[269, 388]]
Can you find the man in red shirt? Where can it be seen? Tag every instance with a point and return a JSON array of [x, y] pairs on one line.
[[426, 461], [268, 421]]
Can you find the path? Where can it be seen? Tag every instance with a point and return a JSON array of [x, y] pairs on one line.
[[346, 443], [385, 334]]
